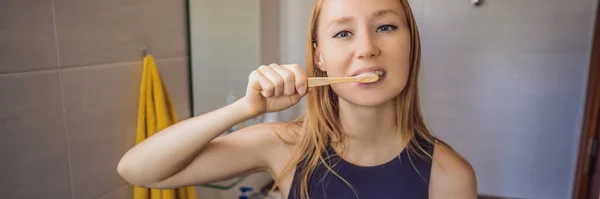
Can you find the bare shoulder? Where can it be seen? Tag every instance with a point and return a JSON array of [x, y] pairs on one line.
[[451, 175]]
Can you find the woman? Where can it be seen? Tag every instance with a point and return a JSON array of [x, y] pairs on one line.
[[356, 140]]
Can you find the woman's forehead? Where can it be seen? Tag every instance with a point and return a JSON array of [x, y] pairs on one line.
[[347, 9]]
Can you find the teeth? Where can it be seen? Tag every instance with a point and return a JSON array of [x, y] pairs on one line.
[[378, 73]]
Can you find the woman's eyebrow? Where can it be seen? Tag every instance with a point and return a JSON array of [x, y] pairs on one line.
[[341, 20], [378, 13]]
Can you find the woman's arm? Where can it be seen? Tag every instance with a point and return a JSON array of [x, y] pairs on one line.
[[185, 150], [189, 152]]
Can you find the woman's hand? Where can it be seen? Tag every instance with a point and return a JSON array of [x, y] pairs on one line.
[[275, 88]]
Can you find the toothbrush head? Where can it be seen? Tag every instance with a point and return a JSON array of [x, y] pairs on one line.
[[369, 77]]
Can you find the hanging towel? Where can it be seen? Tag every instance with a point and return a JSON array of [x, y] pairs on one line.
[[155, 112]]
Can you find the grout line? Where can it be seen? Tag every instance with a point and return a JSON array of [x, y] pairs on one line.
[[28, 72], [68, 145], [101, 65], [56, 47], [64, 109], [88, 66]]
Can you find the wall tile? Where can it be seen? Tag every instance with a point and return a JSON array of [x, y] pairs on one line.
[[508, 107], [175, 74], [102, 103], [417, 9], [26, 36], [112, 31], [32, 137], [532, 26]]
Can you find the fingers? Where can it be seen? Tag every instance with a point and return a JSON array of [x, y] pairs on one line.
[[276, 80], [300, 80], [289, 87], [262, 84], [274, 77]]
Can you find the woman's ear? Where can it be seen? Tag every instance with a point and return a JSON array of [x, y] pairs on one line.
[[318, 57]]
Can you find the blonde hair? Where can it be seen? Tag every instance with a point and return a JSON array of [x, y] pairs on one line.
[[320, 126]]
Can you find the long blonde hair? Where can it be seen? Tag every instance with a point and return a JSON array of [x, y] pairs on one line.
[[320, 126]]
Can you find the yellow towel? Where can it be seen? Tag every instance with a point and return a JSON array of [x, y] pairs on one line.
[[155, 112]]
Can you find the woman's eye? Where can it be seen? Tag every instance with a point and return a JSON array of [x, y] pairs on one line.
[[342, 34], [386, 28]]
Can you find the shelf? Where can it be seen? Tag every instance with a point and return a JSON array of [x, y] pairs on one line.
[[225, 185]]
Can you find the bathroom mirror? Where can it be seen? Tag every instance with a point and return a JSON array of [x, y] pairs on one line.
[[230, 38]]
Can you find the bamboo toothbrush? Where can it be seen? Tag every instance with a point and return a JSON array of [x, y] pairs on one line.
[[362, 78]]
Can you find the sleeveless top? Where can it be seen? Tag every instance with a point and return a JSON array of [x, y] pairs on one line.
[[396, 179]]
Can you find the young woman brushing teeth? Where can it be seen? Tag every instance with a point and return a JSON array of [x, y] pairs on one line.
[[357, 140]]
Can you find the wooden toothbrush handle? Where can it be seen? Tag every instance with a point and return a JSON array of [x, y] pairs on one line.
[[322, 81]]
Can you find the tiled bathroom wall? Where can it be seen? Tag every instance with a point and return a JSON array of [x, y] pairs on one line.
[[504, 84], [69, 79], [70, 73]]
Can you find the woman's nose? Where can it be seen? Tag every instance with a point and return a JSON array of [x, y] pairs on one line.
[[367, 48]]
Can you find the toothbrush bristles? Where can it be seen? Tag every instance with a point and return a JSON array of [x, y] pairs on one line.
[[368, 77]]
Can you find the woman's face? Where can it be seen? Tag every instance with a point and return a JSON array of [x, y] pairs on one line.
[[356, 36]]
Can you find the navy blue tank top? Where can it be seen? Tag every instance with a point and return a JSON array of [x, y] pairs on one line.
[[396, 179]]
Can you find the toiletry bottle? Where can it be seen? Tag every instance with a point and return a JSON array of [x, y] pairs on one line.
[[244, 192]]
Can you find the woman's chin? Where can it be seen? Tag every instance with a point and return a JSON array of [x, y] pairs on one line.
[[368, 100], [371, 97]]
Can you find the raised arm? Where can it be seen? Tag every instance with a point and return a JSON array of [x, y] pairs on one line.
[[190, 152]]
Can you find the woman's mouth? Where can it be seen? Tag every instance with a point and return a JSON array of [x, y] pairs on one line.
[[382, 74]]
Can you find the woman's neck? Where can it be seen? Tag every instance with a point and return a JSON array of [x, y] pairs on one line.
[[368, 124], [370, 133]]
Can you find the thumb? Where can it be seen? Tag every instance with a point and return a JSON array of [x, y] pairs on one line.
[[295, 98]]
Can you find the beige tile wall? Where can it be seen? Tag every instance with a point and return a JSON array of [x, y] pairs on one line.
[[69, 80]]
